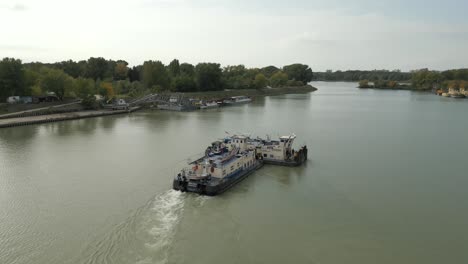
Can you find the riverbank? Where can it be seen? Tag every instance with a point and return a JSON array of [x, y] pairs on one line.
[[398, 88], [32, 120], [252, 92], [31, 117]]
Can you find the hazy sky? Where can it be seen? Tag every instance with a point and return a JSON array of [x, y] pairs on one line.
[[326, 34]]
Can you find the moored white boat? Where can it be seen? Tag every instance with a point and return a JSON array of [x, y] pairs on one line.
[[206, 105], [171, 107], [237, 100]]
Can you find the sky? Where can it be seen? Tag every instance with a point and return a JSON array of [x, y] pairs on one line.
[[327, 34]]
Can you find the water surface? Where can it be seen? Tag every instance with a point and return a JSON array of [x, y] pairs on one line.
[[386, 183]]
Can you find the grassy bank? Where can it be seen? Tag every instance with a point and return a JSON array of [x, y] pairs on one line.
[[252, 92]]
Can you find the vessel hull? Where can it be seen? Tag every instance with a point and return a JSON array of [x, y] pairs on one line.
[[218, 187]]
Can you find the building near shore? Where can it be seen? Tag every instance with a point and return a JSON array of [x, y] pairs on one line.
[[20, 100], [13, 99], [464, 91]]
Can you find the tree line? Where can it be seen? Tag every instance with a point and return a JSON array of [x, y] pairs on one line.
[[425, 79], [86, 78], [356, 75]]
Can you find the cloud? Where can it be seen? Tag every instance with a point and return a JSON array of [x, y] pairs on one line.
[[17, 7], [6, 47]]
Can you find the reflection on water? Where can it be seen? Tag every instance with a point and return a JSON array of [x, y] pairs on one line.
[[18, 134]]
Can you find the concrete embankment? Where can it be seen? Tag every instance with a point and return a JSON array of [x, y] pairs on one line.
[[31, 120], [48, 110]]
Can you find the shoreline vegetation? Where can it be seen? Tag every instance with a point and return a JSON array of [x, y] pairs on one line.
[[113, 79], [452, 83], [253, 92]]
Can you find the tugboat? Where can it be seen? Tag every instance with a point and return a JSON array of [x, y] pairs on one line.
[[280, 152], [226, 162], [230, 160]]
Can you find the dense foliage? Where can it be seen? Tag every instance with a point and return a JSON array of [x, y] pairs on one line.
[[355, 76], [84, 79], [423, 79]]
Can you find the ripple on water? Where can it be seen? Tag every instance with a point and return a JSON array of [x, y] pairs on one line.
[[145, 237]]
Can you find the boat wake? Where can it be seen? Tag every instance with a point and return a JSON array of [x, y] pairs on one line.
[[145, 237]]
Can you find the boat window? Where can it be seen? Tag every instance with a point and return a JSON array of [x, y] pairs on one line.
[[265, 155], [232, 167]]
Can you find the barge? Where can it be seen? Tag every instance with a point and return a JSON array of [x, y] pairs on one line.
[[226, 162], [230, 160], [280, 152]]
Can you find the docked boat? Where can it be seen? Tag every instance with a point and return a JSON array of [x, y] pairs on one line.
[[457, 95], [226, 162], [237, 100], [171, 107], [280, 152], [207, 105]]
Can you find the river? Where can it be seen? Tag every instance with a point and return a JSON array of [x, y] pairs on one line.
[[386, 183]]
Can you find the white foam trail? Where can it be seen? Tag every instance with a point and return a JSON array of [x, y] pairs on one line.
[[146, 237], [165, 214]]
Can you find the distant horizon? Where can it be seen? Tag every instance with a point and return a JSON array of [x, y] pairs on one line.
[[335, 34]]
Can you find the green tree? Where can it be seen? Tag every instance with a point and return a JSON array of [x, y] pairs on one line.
[[260, 81], [279, 79], [121, 70], [234, 77], [208, 76], [184, 83], [72, 68], [36, 90], [134, 74], [96, 68], [154, 73], [269, 71], [11, 78], [56, 81], [174, 68], [299, 72], [187, 69], [31, 79], [425, 79], [84, 87]]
